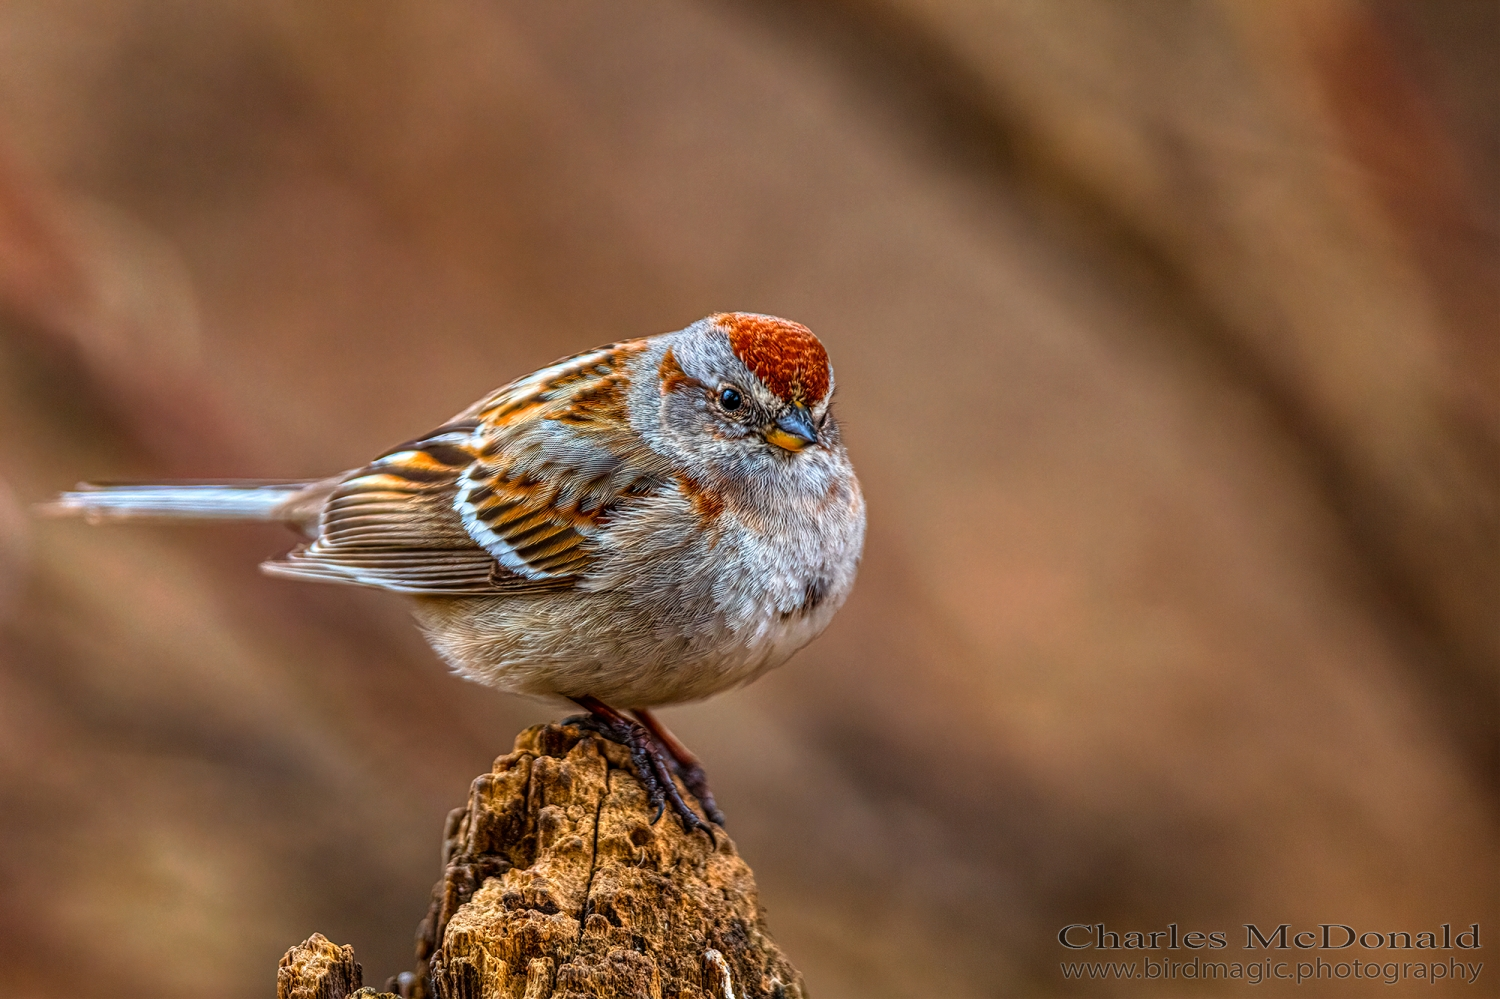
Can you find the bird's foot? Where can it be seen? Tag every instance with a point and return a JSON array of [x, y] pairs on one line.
[[652, 766], [696, 781], [684, 764]]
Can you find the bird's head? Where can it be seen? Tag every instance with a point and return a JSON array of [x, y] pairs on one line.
[[748, 394]]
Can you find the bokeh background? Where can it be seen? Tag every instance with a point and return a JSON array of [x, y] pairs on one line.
[[1168, 345]]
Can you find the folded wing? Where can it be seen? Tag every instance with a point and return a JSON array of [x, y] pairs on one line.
[[503, 499]]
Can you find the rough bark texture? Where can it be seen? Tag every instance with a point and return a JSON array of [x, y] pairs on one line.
[[556, 883], [317, 968]]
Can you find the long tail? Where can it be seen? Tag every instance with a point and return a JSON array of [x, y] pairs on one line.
[[294, 503]]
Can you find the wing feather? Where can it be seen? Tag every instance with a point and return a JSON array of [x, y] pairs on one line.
[[555, 453], [392, 525], [505, 498]]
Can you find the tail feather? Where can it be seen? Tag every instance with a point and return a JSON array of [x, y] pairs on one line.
[[212, 501]]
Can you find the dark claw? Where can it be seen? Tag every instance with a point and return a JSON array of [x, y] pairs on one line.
[[696, 781], [653, 768], [647, 757], [683, 764]]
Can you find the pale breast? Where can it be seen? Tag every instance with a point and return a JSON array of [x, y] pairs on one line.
[[688, 595]]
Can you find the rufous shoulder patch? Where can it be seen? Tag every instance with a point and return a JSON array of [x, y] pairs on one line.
[[784, 355]]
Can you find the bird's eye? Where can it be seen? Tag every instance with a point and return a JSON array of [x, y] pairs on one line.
[[729, 397]]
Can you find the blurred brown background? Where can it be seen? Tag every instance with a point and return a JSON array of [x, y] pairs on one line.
[[1168, 344]]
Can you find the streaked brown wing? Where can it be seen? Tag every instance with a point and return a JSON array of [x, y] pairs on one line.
[[502, 499], [554, 453], [392, 525]]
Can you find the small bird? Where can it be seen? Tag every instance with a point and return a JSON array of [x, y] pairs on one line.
[[646, 523]]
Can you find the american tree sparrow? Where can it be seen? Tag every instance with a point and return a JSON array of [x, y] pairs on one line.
[[646, 523]]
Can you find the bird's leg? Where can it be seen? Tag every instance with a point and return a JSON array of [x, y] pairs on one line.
[[650, 766], [684, 764]]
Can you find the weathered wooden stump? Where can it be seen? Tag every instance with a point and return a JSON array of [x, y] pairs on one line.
[[557, 884]]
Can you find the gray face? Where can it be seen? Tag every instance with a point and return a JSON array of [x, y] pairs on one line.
[[726, 426]]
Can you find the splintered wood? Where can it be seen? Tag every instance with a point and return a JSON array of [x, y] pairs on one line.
[[557, 884]]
